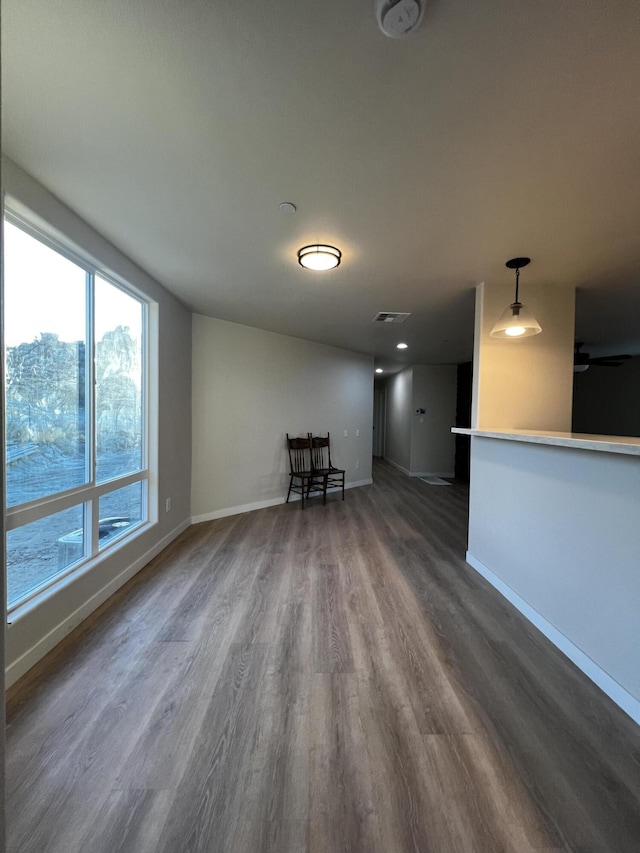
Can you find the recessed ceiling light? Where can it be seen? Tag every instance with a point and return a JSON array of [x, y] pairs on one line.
[[288, 207], [319, 257], [402, 346], [379, 370]]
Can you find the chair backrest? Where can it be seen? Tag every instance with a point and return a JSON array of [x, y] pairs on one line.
[[320, 451], [299, 454]]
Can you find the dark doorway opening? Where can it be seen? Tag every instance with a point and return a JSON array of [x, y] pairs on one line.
[[463, 419]]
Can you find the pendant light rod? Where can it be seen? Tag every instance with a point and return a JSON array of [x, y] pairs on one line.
[[517, 264]]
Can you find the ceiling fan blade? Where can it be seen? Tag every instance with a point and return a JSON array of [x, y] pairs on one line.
[[582, 359], [619, 357], [609, 359]]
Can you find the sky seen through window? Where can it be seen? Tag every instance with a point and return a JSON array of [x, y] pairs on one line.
[[55, 288]]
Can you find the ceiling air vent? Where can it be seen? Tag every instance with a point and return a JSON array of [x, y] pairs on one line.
[[390, 317]]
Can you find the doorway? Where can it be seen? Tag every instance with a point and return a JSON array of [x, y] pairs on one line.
[[463, 419], [379, 419]]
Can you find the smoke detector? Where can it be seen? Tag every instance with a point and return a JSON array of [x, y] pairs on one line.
[[397, 18]]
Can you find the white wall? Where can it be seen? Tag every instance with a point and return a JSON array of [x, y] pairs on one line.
[[41, 626], [560, 528], [606, 400], [250, 388], [524, 383], [422, 444], [398, 431], [432, 444]]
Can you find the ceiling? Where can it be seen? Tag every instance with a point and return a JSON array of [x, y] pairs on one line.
[[499, 128]]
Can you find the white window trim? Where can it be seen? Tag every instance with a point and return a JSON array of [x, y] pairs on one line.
[[88, 494]]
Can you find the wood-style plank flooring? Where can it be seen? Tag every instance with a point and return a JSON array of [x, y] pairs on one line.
[[323, 681]]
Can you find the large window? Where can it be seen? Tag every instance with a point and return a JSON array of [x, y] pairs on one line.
[[76, 448]]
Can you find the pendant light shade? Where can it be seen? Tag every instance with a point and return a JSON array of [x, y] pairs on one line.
[[516, 321]]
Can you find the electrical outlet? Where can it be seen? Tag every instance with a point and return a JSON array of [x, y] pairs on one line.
[[346, 433], [357, 433], [167, 505], [357, 463]]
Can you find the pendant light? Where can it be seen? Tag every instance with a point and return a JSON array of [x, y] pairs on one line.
[[516, 321]]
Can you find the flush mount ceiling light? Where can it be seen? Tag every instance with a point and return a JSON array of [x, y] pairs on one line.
[[516, 321], [319, 257], [402, 346], [379, 370]]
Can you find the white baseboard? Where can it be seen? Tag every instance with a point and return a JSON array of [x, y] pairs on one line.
[[615, 691], [445, 475], [18, 667], [237, 510], [399, 467], [357, 483], [448, 475]]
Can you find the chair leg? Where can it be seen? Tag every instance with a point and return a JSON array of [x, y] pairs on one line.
[[290, 484], [343, 487], [324, 491]]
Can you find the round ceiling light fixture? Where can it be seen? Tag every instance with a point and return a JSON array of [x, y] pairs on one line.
[[379, 370], [319, 257], [402, 346], [516, 321]]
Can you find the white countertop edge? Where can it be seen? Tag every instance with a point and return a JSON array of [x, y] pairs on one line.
[[581, 441]]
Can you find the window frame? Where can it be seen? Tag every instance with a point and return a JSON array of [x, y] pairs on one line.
[[89, 493]]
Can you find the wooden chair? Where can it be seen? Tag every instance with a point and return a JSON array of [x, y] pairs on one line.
[[302, 479], [321, 463]]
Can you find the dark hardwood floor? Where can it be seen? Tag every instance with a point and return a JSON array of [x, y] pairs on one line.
[[327, 681]]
